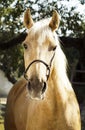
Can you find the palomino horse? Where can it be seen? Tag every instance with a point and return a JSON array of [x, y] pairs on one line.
[[43, 99]]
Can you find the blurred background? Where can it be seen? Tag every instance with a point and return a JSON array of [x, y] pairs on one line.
[[72, 38]]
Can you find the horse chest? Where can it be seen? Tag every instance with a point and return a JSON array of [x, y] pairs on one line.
[[41, 118]]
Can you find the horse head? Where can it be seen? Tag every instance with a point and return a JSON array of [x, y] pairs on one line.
[[39, 53]]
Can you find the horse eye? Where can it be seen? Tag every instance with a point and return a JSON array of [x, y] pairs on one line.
[[54, 48], [25, 46]]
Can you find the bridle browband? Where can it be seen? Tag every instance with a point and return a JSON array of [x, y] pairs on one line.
[[47, 66]]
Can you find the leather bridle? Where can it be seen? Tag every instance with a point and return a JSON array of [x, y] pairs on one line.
[[47, 66]]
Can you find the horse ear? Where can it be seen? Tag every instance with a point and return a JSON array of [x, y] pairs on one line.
[[28, 21], [54, 23]]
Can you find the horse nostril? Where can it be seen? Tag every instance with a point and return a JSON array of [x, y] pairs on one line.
[[44, 87], [29, 85]]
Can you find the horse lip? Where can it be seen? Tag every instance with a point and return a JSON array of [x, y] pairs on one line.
[[37, 98]]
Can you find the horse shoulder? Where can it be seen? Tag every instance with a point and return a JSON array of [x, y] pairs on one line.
[[13, 94], [11, 103], [72, 111], [15, 90]]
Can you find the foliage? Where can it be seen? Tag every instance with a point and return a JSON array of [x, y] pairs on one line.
[[72, 24], [12, 62], [11, 13]]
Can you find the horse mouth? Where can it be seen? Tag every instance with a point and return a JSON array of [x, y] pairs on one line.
[[36, 93], [37, 97]]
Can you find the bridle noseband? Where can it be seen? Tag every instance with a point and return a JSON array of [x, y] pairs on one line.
[[47, 66]]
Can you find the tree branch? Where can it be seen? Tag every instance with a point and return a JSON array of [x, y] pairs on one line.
[[13, 42], [72, 42]]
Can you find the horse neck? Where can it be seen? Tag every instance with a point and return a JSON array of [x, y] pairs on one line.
[[59, 84]]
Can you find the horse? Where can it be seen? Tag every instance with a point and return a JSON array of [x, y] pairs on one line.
[[43, 99]]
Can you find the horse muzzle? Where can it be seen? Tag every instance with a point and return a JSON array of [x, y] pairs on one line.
[[36, 88]]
